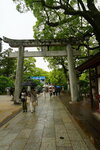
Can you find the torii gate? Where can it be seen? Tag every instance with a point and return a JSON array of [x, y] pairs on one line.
[[21, 44]]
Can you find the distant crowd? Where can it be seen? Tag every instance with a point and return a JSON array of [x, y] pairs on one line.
[[52, 89]]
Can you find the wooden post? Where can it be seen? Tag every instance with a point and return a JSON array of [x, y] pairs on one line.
[[74, 89], [98, 73], [19, 74]]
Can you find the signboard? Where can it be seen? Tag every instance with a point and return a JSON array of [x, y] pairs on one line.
[[38, 77]]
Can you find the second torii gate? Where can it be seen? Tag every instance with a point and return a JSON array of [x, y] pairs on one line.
[[21, 44]]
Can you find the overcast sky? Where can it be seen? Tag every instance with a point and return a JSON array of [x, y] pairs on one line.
[[17, 25]]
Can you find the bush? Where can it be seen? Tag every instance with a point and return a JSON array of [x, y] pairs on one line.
[[84, 87], [4, 83]]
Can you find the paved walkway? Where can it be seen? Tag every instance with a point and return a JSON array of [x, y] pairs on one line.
[[51, 127], [85, 117]]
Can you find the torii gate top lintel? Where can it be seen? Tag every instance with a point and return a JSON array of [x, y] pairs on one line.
[[38, 43]]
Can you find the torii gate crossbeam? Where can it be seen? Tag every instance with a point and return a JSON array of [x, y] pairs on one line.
[[42, 54]]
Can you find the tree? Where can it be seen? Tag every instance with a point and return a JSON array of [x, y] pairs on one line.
[[7, 65], [4, 83], [84, 84], [63, 12], [58, 63], [30, 69], [56, 77], [76, 20]]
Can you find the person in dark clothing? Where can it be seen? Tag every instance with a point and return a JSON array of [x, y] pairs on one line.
[[23, 97], [11, 92], [51, 91], [57, 90]]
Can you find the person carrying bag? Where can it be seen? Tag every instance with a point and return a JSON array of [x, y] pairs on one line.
[[23, 97], [33, 100]]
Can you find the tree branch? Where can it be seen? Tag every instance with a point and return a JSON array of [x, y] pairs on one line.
[[91, 6], [46, 14], [82, 4], [51, 7], [54, 24], [90, 48]]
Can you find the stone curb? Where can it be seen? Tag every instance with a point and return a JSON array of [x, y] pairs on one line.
[[10, 116]]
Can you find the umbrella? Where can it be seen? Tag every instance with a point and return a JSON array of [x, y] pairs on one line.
[[29, 83]]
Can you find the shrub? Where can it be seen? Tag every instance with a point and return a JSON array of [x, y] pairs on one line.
[[4, 83]]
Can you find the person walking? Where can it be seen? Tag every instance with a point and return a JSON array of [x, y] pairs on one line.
[[23, 97], [50, 91], [33, 100], [44, 92], [53, 90], [11, 91]]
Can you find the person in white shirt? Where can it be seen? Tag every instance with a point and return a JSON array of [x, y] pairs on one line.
[[23, 97]]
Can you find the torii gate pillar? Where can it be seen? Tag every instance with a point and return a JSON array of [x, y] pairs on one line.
[[72, 75], [19, 74]]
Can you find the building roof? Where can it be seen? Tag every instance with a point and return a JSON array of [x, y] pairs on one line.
[[90, 63]]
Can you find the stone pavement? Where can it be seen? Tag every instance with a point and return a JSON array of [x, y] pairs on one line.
[[51, 127], [85, 117]]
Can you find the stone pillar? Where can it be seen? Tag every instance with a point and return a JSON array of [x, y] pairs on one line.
[[74, 89], [19, 74]]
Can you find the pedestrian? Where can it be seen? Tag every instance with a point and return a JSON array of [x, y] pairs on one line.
[[44, 91], [58, 90], [53, 90], [7, 89], [23, 97], [11, 91], [50, 91], [33, 99]]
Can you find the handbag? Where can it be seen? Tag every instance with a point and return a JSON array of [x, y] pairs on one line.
[[35, 103]]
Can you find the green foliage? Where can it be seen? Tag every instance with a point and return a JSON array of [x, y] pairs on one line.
[[84, 83], [84, 76], [7, 65], [71, 16], [4, 83], [57, 77], [65, 19], [59, 63], [84, 87], [30, 69]]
